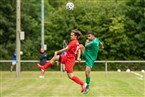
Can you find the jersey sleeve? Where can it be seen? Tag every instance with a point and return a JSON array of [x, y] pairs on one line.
[[89, 44], [100, 43]]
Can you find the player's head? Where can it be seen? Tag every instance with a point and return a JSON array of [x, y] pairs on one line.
[[75, 34], [42, 50], [91, 35]]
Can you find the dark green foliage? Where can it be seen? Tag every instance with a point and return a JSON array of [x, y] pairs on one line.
[[119, 24], [7, 28]]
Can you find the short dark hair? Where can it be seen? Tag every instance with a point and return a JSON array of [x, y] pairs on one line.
[[91, 33], [77, 33]]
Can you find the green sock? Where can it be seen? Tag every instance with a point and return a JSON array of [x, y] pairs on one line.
[[88, 81]]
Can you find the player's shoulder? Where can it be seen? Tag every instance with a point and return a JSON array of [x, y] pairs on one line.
[[97, 40], [75, 41]]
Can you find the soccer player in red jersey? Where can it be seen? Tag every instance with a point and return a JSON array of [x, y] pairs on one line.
[[72, 50]]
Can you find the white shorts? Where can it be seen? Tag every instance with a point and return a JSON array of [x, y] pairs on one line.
[[13, 62]]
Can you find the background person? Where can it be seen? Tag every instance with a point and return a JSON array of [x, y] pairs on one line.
[[13, 62], [43, 60]]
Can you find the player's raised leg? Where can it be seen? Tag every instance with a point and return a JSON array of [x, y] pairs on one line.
[[82, 48], [49, 63]]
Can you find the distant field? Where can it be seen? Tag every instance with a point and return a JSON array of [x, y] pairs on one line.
[[56, 84]]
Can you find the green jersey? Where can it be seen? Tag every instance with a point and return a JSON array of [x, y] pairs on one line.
[[92, 49]]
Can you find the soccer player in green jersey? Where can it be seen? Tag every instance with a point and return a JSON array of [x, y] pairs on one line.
[[90, 53]]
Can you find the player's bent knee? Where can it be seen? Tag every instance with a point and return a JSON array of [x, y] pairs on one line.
[[70, 75], [55, 58], [82, 48]]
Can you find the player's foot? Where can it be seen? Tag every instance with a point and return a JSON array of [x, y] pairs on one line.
[[86, 91], [84, 87], [41, 76], [41, 67]]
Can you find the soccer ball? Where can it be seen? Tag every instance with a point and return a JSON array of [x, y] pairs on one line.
[[128, 70], [70, 6], [118, 70], [142, 71]]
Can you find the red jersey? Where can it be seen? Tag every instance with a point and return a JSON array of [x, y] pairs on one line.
[[73, 48], [69, 58]]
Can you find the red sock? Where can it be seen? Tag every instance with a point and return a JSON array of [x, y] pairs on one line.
[[48, 64], [77, 80]]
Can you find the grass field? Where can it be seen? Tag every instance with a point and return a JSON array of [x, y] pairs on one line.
[[56, 84]]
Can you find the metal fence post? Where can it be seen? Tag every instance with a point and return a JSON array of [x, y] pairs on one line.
[[106, 68]]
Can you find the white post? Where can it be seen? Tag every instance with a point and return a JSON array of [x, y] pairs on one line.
[[18, 42], [61, 67], [63, 46], [42, 23], [106, 68]]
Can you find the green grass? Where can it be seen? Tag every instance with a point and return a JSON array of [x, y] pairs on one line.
[[57, 84]]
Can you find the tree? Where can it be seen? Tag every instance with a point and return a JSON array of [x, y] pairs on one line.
[[7, 28], [135, 27]]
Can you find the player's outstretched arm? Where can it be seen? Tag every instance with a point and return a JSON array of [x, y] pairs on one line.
[[79, 55], [60, 51], [101, 46]]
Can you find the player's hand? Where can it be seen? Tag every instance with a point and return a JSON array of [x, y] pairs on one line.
[[55, 53], [79, 60], [87, 41], [102, 46]]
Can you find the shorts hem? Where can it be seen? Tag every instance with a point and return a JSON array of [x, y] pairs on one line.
[[89, 66]]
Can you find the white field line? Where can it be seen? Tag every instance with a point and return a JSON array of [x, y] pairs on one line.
[[140, 76]]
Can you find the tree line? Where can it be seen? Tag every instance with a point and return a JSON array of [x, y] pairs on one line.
[[119, 24]]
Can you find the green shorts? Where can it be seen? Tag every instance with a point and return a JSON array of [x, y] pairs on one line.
[[89, 62]]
